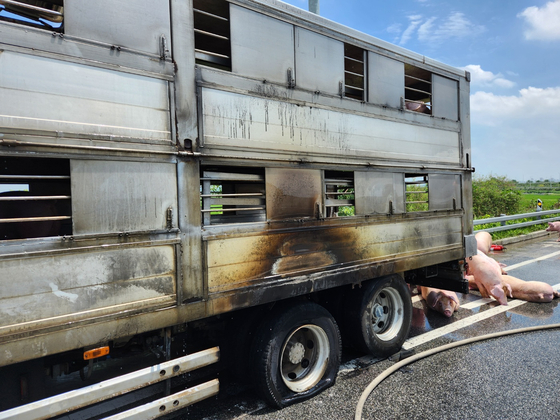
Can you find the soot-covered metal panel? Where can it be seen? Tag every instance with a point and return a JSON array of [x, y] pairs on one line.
[[379, 192], [79, 285], [292, 193], [239, 261], [233, 120], [113, 196], [444, 191]]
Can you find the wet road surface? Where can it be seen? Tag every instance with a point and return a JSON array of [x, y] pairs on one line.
[[514, 377]]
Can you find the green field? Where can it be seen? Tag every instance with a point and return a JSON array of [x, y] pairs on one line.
[[529, 201]]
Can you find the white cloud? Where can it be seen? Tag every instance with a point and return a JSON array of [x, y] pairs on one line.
[[485, 78], [394, 28], [543, 23], [425, 29], [531, 106], [456, 26], [435, 30], [516, 135], [407, 34]]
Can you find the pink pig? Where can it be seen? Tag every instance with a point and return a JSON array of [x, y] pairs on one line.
[[443, 301], [488, 277], [554, 227], [483, 241]]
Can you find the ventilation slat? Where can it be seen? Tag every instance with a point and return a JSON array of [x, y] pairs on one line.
[[36, 198], [417, 194], [212, 15], [232, 195], [34, 219], [212, 33], [338, 193]]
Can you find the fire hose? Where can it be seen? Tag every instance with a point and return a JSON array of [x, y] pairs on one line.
[[424, 354]]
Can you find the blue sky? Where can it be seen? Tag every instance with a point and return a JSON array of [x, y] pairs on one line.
[[511, 48]]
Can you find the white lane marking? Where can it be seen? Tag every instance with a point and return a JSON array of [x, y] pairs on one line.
[[416, 298], [521, 264], [477, 303], [465, 322]]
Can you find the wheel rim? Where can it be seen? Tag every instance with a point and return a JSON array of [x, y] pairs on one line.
[[386, 314], [304, 359]]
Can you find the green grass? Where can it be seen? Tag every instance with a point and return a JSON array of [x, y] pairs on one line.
[[529, 201]]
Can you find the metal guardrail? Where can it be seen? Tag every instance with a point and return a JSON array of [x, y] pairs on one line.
[[504, 219]]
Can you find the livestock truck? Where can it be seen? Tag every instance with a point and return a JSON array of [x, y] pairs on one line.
[[252, 177]]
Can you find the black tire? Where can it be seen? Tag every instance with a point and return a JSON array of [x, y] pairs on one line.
[[296, 353], [378, 315]]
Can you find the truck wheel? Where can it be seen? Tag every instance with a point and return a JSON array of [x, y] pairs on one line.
[[377, 316], [296, 353]]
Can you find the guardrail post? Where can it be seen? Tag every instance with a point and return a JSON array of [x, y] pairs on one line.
[[503, 222]]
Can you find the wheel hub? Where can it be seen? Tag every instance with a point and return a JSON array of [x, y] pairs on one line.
[[296, 353], [386, 314], [304, 357], [378, 311]]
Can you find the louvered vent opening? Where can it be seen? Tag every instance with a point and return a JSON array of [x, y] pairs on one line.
[[416, 188], [233, 195], [339, 193], [211, 33], [34, 198], [417, 89], [354, 68]]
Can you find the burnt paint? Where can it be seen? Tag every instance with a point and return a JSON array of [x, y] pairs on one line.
[[315, 260], [288, 254], [298, 286], [240, 261]]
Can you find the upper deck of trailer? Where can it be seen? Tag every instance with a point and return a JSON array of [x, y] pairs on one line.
[[301, 17]]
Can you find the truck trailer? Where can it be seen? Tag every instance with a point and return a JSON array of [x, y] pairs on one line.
[[246, 174]]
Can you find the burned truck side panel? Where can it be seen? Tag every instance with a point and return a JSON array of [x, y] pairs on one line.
[[171, 161], [267, 110]]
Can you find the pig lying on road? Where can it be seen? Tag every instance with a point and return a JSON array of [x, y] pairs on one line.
[[487, 275], [443, 301], [531, 291], [554, 227]]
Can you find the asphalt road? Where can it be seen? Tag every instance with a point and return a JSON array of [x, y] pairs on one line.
[[513, 377]]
